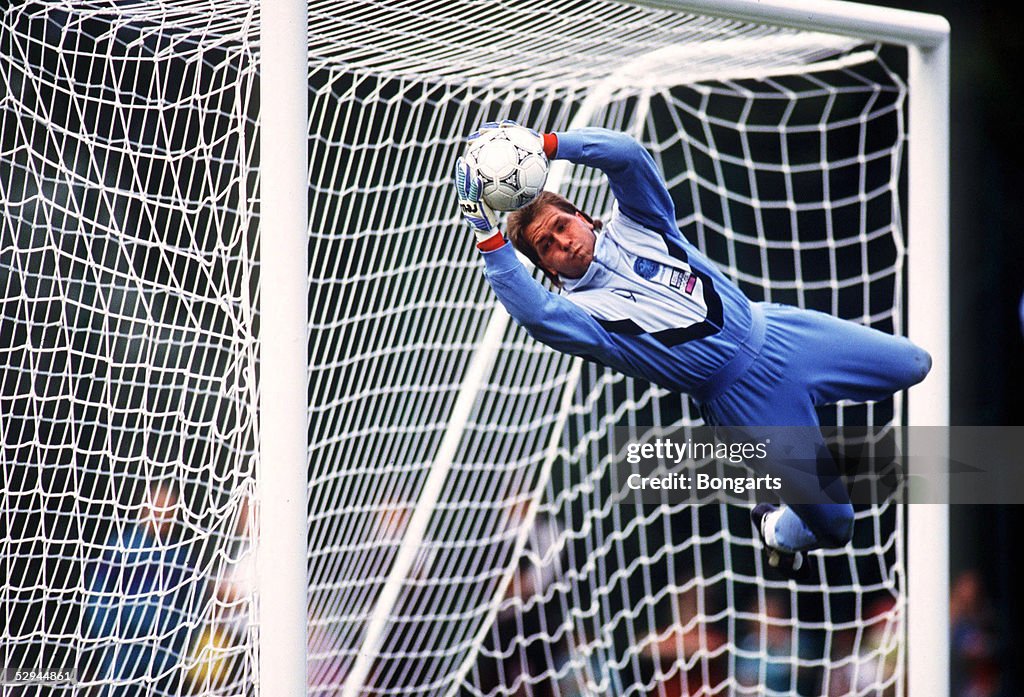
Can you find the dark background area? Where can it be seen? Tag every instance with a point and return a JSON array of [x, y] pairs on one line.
[[987, 251]]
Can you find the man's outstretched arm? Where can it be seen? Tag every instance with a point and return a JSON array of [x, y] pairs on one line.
[[547, 317], [633, 176]]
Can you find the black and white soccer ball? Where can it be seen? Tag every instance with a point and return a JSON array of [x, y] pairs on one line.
[[511, 165]]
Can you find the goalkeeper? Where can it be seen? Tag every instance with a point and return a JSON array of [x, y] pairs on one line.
[[638, 297]]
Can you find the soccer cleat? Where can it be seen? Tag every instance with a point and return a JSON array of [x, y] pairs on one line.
[[789, 564]]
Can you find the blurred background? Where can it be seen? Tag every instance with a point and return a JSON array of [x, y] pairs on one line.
[[987, 249]]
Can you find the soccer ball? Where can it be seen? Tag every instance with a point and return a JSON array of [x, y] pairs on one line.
[[511, 165]]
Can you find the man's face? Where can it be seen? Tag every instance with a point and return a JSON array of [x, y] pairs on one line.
[[564, 241]]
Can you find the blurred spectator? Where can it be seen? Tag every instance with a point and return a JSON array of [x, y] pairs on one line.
[[218, 650], [691, 640], [380, 539], [774, 649], [236, 582], [141, 594], [525, 614], [973, 662], [326, 659], [589, 675], [388, 532], [856, 670], [539, 563]]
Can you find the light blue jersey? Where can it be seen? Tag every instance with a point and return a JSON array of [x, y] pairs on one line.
[[652, 306]]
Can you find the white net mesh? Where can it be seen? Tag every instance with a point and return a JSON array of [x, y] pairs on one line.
[[127, 257], [782, 152], [129, 275]]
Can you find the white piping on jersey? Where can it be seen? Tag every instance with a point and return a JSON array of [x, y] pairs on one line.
[[668, 295]]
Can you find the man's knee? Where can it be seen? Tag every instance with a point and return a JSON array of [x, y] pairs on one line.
[[920, 364], [834, 525], [904, 364]]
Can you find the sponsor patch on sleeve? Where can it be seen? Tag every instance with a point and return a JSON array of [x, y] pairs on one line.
[[678, 278]]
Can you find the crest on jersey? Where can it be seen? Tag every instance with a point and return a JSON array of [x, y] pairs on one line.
[[645, 268]]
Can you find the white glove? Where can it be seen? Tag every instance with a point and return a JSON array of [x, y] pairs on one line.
[[478, 214]]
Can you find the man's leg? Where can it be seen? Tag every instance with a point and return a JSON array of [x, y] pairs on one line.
[[831, 360], [810, 358], [818, 512], [842, 360]]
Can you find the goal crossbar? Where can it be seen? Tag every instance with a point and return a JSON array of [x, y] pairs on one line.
[[868, 22]]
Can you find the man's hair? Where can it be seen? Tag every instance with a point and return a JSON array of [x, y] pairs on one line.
[[519, 220]]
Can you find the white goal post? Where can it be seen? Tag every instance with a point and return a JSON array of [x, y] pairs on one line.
[[281, 553]]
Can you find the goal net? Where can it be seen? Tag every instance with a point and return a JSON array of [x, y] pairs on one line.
[[471, 529], [128, 221]]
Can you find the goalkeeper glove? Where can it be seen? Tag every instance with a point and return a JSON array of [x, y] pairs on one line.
[[477, 213]]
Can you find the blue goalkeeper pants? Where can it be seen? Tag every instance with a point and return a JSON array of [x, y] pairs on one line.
[[803, 359]]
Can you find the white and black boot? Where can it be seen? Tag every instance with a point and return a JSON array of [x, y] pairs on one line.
[[789, 564]]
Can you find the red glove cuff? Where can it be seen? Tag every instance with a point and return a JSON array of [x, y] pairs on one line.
[[495, 241], [550, 144]]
